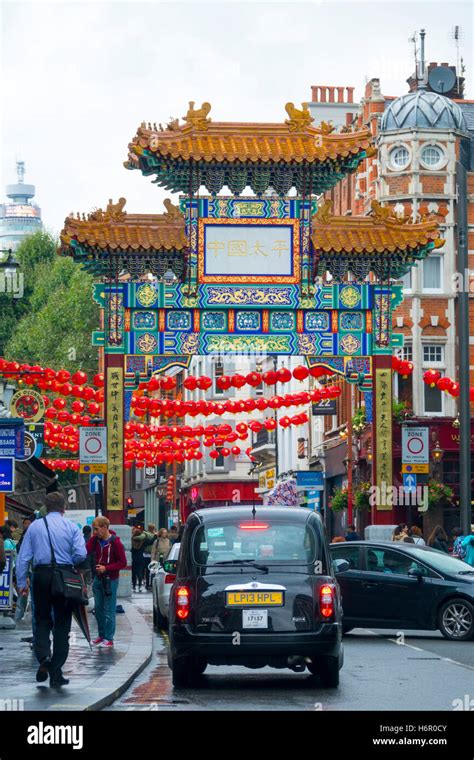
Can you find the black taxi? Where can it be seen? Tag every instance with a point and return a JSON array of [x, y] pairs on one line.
[[255, 587]]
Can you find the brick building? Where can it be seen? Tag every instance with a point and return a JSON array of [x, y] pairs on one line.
[[420, 136]]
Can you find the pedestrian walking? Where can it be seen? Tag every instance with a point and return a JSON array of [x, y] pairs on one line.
[[438, 539], [162, 547], [352, 534], [417, 536], [468, 545], [138, 565], [49, 540], [173, 534], [109, 556], [22, 601], [457, 537], [150, 538], [15, 529]]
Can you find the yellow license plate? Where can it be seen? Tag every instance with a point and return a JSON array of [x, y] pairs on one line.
[[255, 599]]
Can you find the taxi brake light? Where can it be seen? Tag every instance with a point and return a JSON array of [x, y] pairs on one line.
[[326, 601], [254, 526], [182, 600]]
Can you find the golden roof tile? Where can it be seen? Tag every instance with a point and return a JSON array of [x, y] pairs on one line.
[[205, 140], [114, 229], [380, 232]]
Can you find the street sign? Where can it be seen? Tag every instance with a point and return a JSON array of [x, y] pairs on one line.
[[92, 469], [93, 446], [28, 404], [7, 475], [416, 469], [415, 445], [95, 480], [11, 438], [310, 479], [409, 482], [150, 473], [6, 582]]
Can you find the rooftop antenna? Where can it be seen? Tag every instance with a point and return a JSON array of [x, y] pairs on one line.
[[457, 37], [20, 171], [415, 55]]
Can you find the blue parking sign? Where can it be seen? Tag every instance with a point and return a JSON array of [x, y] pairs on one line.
[[7, 475]]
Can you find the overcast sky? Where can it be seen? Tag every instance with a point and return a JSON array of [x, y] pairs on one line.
[[79, 77]]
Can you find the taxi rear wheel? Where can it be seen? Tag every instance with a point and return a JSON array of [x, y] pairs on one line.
[[327, 668]]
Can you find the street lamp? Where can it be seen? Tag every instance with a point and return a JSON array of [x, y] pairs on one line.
[[437, 453]]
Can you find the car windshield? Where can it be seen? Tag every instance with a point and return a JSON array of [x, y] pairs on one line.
[[264, 542], [442, 561]]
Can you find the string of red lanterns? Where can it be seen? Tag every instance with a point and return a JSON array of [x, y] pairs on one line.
[[434, 379]]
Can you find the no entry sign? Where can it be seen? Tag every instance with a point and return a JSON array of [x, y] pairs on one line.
[[93, 445], [415, 445]]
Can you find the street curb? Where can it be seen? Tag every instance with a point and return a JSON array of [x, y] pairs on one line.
[[141, 646]]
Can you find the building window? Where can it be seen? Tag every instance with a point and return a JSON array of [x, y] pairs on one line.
[[399, 157], [404, 385], [433, 354], [432, 156], [218, 373], [406, 281], [219, 463], [432, 274]]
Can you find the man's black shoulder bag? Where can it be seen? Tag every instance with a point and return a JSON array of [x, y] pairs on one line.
[[67, 583]]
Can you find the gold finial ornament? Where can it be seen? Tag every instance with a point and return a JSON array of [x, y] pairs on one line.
[[324, 213], [326, 128], [113, 213], [299, 119], [198, 118]]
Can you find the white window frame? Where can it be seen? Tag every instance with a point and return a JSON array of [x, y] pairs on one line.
[[442, 161], [395, 167], [441, 275], [441, 367], [429, 362]]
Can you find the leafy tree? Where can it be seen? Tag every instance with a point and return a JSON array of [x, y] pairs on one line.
[[57, 329]]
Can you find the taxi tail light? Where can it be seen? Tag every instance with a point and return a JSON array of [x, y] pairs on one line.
[[326, 601], [182, 602], [170, 578]]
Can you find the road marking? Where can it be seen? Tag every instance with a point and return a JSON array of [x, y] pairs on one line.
[[419, 649]]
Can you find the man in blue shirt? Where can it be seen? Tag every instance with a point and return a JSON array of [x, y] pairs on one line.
[[51, 613]]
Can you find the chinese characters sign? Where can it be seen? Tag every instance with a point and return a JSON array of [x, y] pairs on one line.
[[115, 438], [244, 251], [383, 426]]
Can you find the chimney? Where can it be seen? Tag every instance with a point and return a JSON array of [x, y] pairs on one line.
[[322, 93], [350, 94], [348, 119], [340, 94], [314, 93], [331, 94]]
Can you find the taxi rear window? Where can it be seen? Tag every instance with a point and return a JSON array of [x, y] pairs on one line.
[[264, 541]]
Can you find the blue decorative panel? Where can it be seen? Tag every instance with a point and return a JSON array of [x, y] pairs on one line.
[[135, 364], [350, 297], [368, 398], [250, 295], [144, 320], [350, 344], [282, 321], [214, 321], [248, 320], [127, 403], [315, 321], [146, 295], [178, 320], [351, 321]]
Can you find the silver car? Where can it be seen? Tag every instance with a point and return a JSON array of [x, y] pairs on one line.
[[163, 579]]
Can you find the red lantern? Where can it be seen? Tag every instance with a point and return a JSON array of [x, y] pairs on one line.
[[50, 414], [454, 390], [225, 452], [88, 393], [224, 429], [224, 382], [269, 377], [190, 383], [204, 382], [285, 422], [77, 391], [238, 381], [93, 408], [275, 402], [241, 427], [59, 403], [261, 404], [65, 389], [236, 450], [300, 372], [214, 454], [99, 380], [64, 416], [254, 379], [231, 437], [255, 426], [62, 376], [270, 424], [250, 405], [78, 406], [99, 396], [79, 377], [444, 384], [471, 394], [208, 442], [46, 400], [168, 383], [283, 375], [431, 377], [317, 371]]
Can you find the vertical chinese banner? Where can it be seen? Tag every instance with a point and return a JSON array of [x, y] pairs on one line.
[[383, 442], [114, 483]]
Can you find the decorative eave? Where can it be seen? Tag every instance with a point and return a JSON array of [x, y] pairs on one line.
[[246, 147], [383, 242], [113, 237]]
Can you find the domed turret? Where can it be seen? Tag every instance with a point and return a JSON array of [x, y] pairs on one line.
[[423, 110]]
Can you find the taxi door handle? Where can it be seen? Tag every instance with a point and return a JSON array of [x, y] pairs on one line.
[[370, 584]]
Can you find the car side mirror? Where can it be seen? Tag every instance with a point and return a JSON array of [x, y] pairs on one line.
[[340, 565], [415, 572], [170, 565]]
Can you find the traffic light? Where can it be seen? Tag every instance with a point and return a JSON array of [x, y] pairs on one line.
[[129, 502]]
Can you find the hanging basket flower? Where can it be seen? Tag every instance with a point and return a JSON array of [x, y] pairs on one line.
[[339, 500], [439, 495], [362, 496]]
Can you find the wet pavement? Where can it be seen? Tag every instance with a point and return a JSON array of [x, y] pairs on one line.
[[97, 676]]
